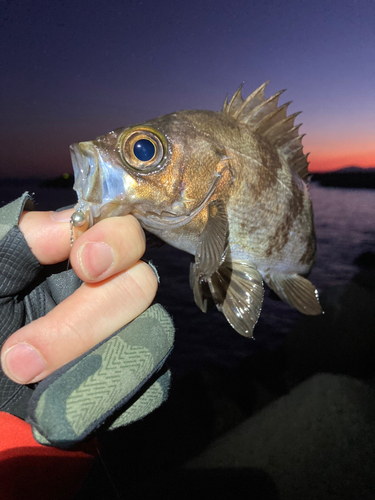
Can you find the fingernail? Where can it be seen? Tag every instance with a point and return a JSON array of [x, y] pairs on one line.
[[63, 216], [22, 363], [153, 267], [95, 259]]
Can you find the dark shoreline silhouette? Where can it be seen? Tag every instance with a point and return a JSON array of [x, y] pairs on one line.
[[349, 177]]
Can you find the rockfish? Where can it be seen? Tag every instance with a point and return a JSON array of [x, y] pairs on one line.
[[228, 187]]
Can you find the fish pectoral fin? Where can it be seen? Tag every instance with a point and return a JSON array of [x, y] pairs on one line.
[[237, 289], [296, 291], [213, 241], [210, 252]]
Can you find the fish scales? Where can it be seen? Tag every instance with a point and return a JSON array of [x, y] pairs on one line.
[[228, 187]]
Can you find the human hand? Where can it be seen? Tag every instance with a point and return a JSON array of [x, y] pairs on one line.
[[117, 288], [102, 362]]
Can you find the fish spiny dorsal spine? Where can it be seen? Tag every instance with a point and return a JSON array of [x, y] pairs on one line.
[[269, 120]]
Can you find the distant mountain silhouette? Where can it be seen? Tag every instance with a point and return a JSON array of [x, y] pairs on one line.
[[349, 177]]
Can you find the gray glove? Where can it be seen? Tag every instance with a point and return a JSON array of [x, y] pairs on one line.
[[120, 380]]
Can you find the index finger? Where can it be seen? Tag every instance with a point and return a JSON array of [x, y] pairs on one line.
[[47, 234]]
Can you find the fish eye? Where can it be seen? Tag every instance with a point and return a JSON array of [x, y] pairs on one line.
[[143, 149]]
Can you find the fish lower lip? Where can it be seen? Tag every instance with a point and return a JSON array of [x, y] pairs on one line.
[[87, 174]]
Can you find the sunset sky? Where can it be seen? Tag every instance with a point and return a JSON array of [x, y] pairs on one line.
[[73, 70]]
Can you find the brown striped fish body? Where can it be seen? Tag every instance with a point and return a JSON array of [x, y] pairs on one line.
[[228, 187]]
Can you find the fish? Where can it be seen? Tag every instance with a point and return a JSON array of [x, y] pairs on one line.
[[229, 187]]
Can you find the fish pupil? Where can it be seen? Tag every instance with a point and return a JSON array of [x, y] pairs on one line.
[[144, 150]]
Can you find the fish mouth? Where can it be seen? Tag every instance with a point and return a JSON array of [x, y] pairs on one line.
[[85, 162], [100, 186]]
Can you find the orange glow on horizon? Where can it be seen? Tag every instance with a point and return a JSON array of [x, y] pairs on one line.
[[326, 162], [334, 151]]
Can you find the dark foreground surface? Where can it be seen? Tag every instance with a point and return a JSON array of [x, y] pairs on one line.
[[293, 421]]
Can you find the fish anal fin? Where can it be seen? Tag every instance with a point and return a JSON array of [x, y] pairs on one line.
[[296, 291], [237, 289]]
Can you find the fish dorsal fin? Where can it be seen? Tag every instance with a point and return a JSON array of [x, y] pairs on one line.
[[266, 118], [296, 291]]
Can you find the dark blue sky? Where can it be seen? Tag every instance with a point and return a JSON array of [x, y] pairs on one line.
[[72, 70]]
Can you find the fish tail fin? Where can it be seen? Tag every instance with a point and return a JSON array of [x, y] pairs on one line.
[[296, 291]]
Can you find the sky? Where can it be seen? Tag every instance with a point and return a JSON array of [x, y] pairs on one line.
[[73, 70]]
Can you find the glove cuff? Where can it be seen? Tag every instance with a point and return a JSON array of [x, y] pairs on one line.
[[10, 214]]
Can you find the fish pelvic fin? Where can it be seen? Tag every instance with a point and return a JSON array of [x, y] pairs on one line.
[[237, 289], [266, 118], [296, 291]]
